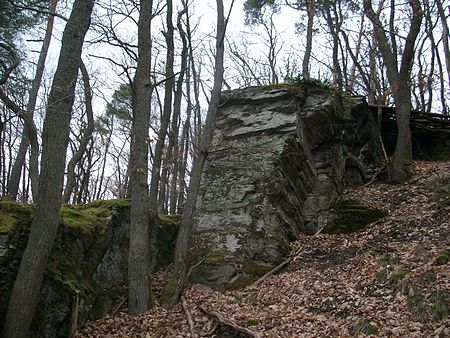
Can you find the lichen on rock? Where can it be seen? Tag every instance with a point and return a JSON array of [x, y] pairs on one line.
[[280, 155]]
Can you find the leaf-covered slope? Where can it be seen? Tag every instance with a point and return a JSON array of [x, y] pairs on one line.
[[390, 280]]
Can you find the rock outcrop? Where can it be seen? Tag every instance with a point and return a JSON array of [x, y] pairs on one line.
[[280, 155], [89, 258]]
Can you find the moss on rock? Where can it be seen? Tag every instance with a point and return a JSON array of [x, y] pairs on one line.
[[85, 234], [351, 216]]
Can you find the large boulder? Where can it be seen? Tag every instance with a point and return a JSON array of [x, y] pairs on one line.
[[279, 157]]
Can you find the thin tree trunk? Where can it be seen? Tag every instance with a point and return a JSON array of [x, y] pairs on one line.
[[29, 135], [311, 10], [25, 294], [102, 173], [445, 36], [177, 113], [178, 278], [87, 134], [139, 291], [165, 118], [355, 56]]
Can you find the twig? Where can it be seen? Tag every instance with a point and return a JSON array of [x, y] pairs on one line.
[[74, 316], [193, 267], [212, 330], [189, 317], [377, 172], [244, 332], [122, 301]]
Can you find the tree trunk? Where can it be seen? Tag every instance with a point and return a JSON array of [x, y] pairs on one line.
[[178, 278], [29, 136], [445, 36], [311, 10], [87, 134], [139, 291], [165, 119], [399, 82], [177, 114], [401, 167], [25, 294]]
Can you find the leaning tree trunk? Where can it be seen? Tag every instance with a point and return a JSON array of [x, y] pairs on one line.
[[29, 136], [311, 10], [178, 278], [87, 134], [139, 292], [25, 294], [167, 110], [445, 36]]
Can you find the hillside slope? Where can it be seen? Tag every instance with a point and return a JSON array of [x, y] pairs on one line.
[[391, 280]]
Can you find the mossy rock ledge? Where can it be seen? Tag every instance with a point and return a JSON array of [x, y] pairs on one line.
[[351, 215], [89, 258]]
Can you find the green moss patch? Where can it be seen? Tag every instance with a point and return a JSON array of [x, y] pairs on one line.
[[416, 304], [216, 257], [440, 307], [169, 219], [351, 216], [442, 258], [13, 214], [76, 252], [442, 195], [256, 269], [363, 327], [253, 322]]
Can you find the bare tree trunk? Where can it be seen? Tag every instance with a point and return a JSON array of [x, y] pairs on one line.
[[177, 114], [105, 155], [178, 278], [139, 291], [29, 135], [445, 36], [334, 22], [167, 110], [355, 55], [25, 294], [311, 10], [87, 134], [399, 82]]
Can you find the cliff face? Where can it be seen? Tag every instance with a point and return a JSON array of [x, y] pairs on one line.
[[280, 155]]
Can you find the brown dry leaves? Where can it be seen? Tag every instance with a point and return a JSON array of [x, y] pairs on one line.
[[382, 282]]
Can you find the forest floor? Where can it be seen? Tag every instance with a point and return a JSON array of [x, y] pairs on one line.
[[390, 280]]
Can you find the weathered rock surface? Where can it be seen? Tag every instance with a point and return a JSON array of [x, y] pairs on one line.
[[89, 258], [280, 155]]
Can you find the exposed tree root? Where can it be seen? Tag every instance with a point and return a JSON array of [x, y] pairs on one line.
[[228, 329], [187, 311]]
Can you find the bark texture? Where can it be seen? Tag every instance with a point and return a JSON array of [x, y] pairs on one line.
[[398, 73], [25, 294], [139, 291]]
